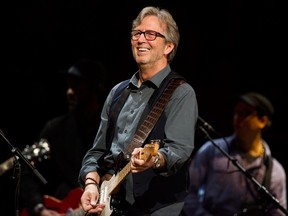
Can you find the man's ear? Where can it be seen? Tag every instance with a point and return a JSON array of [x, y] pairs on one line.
[[264, 121], [168, 48]]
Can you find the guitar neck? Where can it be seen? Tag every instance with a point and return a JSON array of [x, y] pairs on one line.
[[119, 177], [6, 165]]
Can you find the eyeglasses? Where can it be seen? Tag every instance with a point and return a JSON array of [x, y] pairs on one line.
[[150, 35]]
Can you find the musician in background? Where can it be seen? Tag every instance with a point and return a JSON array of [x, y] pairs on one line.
[[218, 187], [69, 136]]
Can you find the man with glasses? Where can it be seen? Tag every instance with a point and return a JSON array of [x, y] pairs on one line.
[[156, 185], [218, 187]]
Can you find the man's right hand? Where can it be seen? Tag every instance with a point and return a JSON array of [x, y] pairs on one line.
[[90, 198]]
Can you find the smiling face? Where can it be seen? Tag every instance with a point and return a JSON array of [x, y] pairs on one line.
[[151, 52]]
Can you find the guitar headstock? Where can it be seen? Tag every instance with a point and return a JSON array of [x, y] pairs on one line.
[[37, 151], [149, 150]]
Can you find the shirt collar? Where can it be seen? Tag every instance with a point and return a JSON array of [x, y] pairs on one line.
[[156, 80]]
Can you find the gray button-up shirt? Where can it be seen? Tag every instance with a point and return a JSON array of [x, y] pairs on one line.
[[181, 112]]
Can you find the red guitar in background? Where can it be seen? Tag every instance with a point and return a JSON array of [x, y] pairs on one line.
[[69, 206]]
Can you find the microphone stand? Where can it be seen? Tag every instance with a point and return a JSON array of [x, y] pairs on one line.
[[18, 154], [260, 187]]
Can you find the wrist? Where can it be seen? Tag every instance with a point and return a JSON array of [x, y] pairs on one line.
[[157, 161], [91, 181]]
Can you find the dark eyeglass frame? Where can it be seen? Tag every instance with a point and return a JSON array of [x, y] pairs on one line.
[[136, 34]]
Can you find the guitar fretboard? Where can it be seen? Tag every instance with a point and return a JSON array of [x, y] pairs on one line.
[[117, 179]]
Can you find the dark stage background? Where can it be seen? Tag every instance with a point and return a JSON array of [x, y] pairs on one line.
[[226, 48]]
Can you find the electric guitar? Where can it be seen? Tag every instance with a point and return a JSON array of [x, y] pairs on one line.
[[108, 187], [69, 206], [37, 151]]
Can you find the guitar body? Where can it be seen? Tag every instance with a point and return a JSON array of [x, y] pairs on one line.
[[69, 203], [105, 198], [72, 200]]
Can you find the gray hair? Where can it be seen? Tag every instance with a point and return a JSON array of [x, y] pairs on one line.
[[172, 33]]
